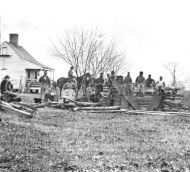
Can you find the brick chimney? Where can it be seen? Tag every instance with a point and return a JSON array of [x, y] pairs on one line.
[[13, 38]]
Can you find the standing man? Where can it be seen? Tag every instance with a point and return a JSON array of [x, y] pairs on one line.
[[86, 82], [112, 81], [128, 84], [160, 85], [99, 85], [112, 78], [45, 84], [140, 81]]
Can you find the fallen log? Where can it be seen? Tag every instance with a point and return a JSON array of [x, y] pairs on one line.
[[16, 106], [20, 107], [98, 108], [27, 105], [175, 95], [157, 112], [8, 107], [42, 105], [87, 104], [108, 111]]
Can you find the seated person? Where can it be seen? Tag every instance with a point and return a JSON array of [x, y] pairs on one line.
[[69, 90], [6, 91], [53, 93]]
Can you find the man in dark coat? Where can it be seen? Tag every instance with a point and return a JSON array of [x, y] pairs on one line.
[[87, 85], [6, 90], [6, 84], [99, 85], [150, 82], [45, 84], [128, 84]]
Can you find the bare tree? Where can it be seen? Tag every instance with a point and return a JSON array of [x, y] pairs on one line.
[[172, 68], [87, 51]]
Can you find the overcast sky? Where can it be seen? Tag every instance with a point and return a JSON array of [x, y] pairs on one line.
[[150, 32]]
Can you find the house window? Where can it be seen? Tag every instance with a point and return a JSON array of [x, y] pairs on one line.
[[28, 74], [4, 50]]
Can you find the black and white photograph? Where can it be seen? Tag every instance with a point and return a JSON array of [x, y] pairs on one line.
[[94, 86]]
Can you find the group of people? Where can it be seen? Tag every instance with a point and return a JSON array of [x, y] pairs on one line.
[[141, 84], [96, 85], [49, 91], [89, 85]]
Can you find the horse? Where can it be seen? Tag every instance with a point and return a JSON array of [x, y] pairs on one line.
[[61, 81]]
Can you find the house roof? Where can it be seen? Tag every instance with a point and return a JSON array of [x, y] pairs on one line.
[[23, 54]]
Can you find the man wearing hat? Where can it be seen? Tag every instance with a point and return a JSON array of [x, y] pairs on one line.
[[45, 84], [6, 84], [6, 90]]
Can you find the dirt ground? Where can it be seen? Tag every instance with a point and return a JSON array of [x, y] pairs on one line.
[[59, 140]]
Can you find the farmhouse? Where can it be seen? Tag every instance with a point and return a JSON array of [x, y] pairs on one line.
[[23, 69]]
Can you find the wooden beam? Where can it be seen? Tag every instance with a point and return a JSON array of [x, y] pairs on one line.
[[99, 108], [129, 98], [155, 102], [108, 111], [9, 108]]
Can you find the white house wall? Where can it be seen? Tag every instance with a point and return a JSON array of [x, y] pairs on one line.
[[14, 65]]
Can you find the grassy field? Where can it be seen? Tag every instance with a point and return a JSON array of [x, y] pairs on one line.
[[59, 140]]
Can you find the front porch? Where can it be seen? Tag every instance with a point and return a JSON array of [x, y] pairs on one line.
[[32, 79]]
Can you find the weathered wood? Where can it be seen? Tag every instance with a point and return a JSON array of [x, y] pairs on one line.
[[8, 107], [27, 105], [87, 104], [16, 106], [132, 101], [157, 112], [41, 105], [175, 95], [101, 108], [24, 108], [155, 102], [129, 99], [109, 111]]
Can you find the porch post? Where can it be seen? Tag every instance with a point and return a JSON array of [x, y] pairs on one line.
[[53, 75]]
